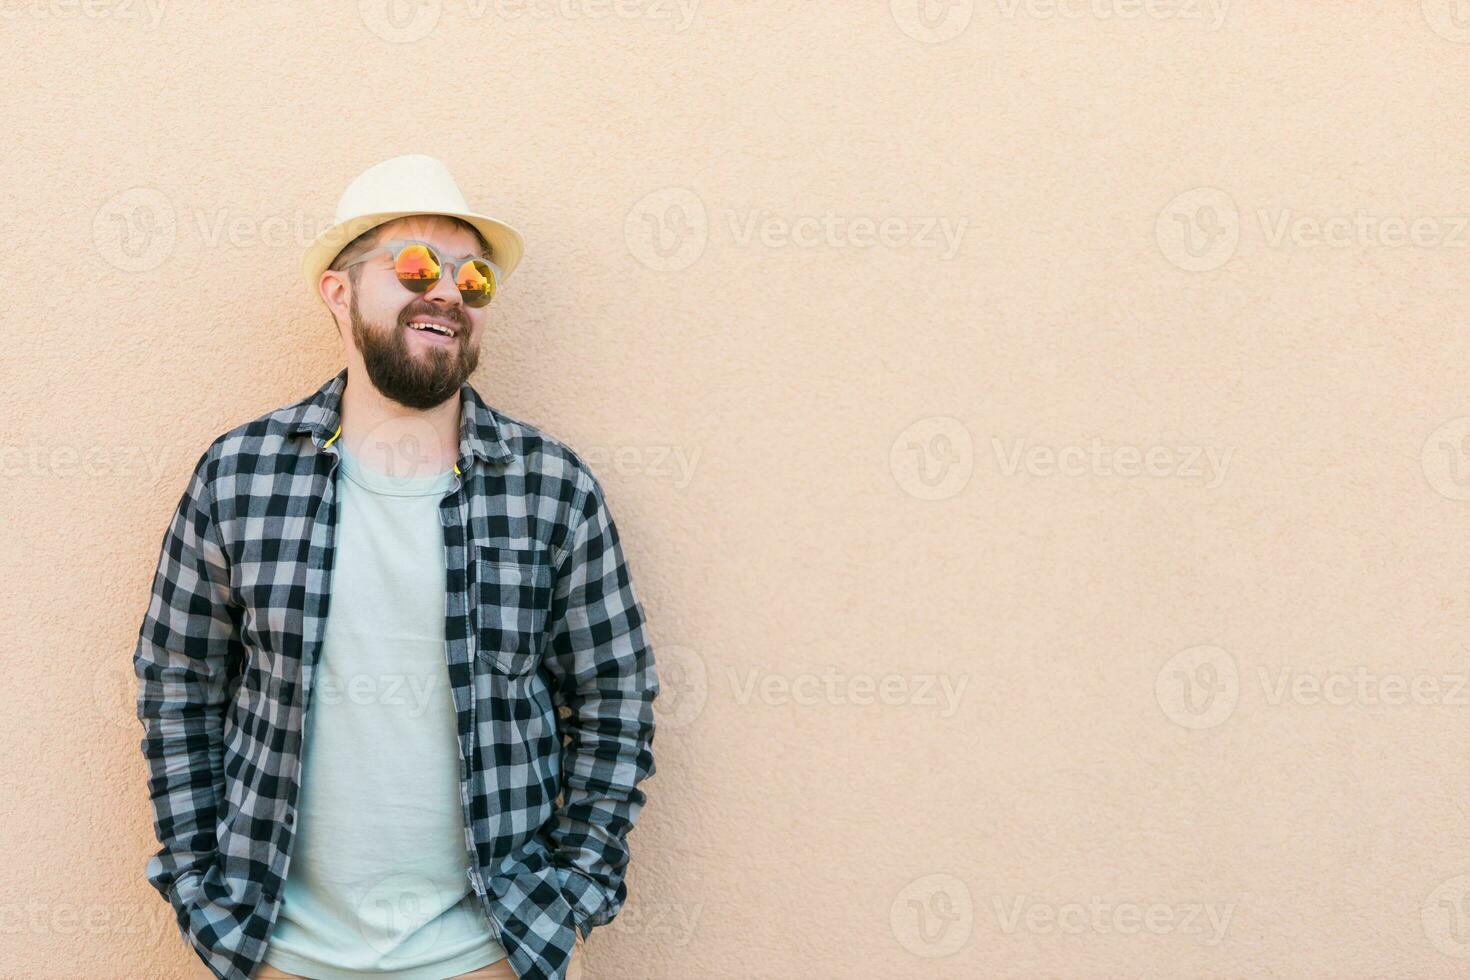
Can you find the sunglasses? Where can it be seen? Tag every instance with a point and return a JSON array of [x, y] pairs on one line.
[[419, 268]]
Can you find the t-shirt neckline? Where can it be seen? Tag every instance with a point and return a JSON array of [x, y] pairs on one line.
[[417, 484]]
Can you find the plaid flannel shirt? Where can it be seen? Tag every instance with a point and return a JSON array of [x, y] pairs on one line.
[[551, 673]]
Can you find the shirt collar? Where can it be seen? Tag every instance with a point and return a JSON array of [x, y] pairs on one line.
[[320, 415]]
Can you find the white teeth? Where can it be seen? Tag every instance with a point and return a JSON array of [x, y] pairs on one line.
[[432, 326]]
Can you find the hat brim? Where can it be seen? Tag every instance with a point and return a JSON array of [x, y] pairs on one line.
[[504, 241]]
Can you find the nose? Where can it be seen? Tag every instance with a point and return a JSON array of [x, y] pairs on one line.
[[446, 293]]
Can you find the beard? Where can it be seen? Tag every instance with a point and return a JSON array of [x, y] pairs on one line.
[[420, 381]]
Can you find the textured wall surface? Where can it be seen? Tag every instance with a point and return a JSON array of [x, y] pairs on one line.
[[1040, 434]]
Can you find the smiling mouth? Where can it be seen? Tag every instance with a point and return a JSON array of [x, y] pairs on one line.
[[435, 334], [438, 329]]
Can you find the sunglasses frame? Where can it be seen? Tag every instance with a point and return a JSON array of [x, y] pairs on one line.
[[394, 246]]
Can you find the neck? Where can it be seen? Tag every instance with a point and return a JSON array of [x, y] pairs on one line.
[[394, 439]]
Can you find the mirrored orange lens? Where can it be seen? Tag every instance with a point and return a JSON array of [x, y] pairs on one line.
[[418, 268], [476, 283]]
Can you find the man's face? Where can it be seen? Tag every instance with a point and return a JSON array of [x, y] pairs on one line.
[[416, 368]]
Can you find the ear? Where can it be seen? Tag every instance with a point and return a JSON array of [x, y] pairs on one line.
[[335, 288], [331, 282]]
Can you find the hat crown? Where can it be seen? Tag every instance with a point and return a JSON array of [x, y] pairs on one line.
[[412, 182]]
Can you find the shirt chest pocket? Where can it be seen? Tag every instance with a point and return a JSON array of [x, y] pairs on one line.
[[513, 590]]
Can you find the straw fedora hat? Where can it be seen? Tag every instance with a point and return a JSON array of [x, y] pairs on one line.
[[401, 186]]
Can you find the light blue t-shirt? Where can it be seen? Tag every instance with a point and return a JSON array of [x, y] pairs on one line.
[[378, 881]]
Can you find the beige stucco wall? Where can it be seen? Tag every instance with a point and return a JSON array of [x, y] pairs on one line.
[[1082, 594]]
